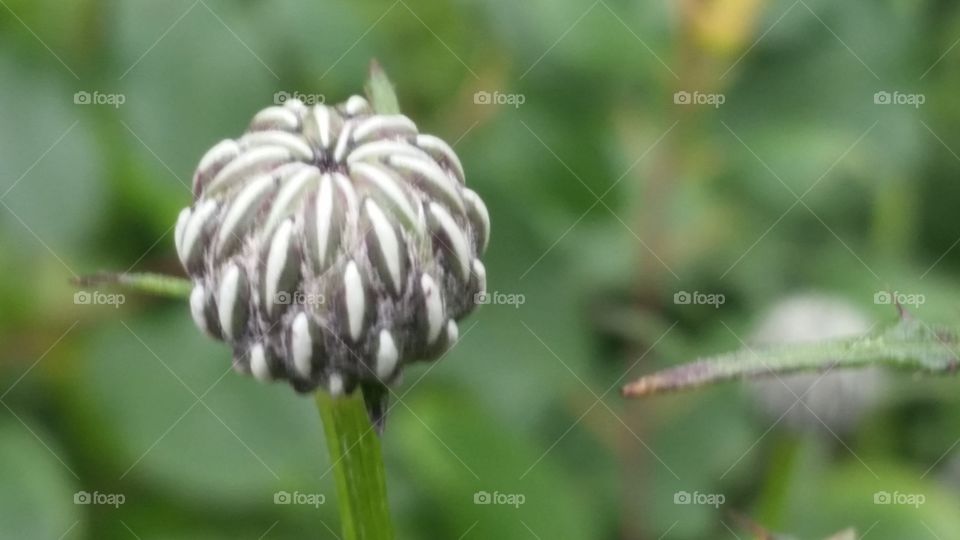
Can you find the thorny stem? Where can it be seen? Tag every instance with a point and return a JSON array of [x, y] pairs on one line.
[[156, 284], [910, 344]]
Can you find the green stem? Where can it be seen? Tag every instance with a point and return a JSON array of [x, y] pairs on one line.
[[155, 284], [357, 464], [910, 344]]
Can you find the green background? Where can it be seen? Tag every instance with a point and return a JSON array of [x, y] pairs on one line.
[[606, 199]]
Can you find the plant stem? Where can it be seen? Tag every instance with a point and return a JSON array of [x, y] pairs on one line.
[[155, 284], [357, 464], [910, 344]]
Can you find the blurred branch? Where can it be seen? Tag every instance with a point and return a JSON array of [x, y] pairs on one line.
[[910, 344], [156, 284]]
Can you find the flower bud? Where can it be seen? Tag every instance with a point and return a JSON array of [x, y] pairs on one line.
[[330, 246], [834, 401]]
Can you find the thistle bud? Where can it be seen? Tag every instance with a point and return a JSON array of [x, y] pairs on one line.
[[330, 246], [834, 401]]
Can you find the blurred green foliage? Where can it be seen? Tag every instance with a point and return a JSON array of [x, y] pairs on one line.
[[134, 401]]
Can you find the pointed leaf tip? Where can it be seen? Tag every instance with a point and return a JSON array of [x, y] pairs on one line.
[[380, 90]]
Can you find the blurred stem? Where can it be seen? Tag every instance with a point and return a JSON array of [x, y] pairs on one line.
[[910, 344], [357, 463], [155, 284], [778, 479], [894, 219]]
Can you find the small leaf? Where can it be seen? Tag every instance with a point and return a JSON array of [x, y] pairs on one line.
[[380, 90]]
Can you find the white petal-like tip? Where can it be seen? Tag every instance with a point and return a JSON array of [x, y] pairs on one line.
[[258, 363], [355, 298], [229, 293], [343, 142], [295, 104], [387, 356], [277, 262], [481, 274], [301, 344], [437, 146], [453, 333], [356, 105], [456, 238], [335, 385], [393, 124], [283, 139], [182, 219], [277, 117], [198, 306], [387, 243], [389, 187], [434, 307], [479, 212], [193, 229], [434, 178]]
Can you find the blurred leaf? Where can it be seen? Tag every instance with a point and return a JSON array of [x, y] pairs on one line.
[[473, 469], [242, 443], [37, 496]]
